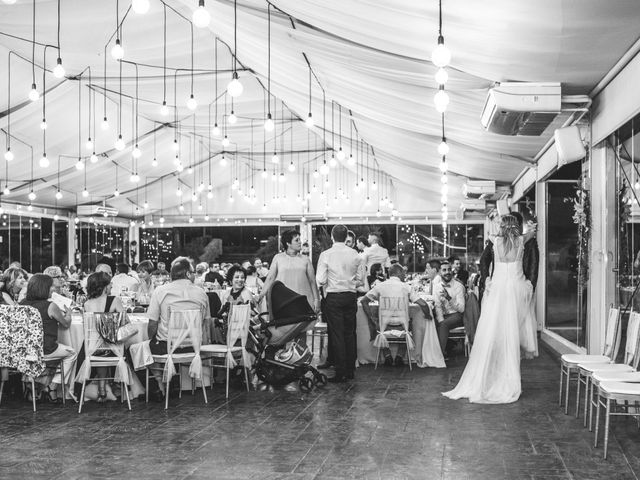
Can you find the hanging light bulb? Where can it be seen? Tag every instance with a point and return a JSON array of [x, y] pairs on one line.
[[105, 124], [309, 121], [275, 158], [443, 166], [443, 147], [194, 197], [79, 164], [44, 161], [58, 195], [164, 110], [117, 52], [341, 155], [225, 141], [443, 178], [161, 220], [210, 195], [140, 6], [175, 146], [374, 186], [154, 162], [191, 103], [58, 70], [268, 123], [136, 152], [441, 100], [316, 174], [6, 190], [444, 189], [263, 174], [76, 220], [201, 16], [235, 88], [351, 161], [135, 178], [443, 199], [43, 124], [281, 178], [8, 155], [232, 118], [216, 130], [119, 143], [441, 76], [85, 192], [30, 208], [116, 192], [223, 161], [181, 207], [32, 195], [441, 55], [292, 167], [324, 169], [33, 93], [274, 177], [89, 144]]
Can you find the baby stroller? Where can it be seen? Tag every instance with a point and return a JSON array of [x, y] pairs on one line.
[[279, 358]]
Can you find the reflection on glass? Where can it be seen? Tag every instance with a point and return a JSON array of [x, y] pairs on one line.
[[562, 266]]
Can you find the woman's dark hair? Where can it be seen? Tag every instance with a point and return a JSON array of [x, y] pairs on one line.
[[375, 270], [251, 270], [232, 271], [287, 237], [39, 287], [96, 284], [363, 240], [145, 266]]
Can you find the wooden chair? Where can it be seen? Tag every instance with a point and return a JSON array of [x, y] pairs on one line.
[[227, 355], [4, 373], [569, 362], [394, 312], [184, 330]]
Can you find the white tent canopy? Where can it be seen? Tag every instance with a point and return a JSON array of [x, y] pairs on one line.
[[371, 64]]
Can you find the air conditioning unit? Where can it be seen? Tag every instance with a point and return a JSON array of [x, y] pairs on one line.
[[479, 188], [473, 204], [526, 109], [95, 210]]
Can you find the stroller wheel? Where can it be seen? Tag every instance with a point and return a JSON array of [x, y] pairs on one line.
[[321, 379], [306, 384]]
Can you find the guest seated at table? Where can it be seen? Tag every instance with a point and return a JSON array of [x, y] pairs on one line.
[[60, 285], [376, 275], [393, 287], [201, 271], [179, 294], [160, 275], [14, 281], [262, 270], [239, 293], [123, 282], [214, 275], [99, 300], [253, 282], [449, 303], [145, 283], [39, 289]]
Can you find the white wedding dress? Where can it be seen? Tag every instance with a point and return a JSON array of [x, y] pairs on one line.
[[505, 329]]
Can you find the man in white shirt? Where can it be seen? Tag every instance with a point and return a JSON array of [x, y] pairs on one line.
[[374, 253], [449, 303], [123, 282], [393, 287], [340, 271]]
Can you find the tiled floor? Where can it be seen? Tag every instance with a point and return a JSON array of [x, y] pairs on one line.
[[387, 424]]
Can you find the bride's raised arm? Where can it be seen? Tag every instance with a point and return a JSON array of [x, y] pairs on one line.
[[529, 235]]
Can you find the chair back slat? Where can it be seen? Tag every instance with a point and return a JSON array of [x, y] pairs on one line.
[[238, 324], [393, 311], [632, 345], [184, 329], [613, 334]]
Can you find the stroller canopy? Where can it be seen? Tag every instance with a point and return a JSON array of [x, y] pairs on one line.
[[286, 306]]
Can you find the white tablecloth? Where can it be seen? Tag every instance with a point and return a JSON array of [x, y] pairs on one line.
[[427, 352]]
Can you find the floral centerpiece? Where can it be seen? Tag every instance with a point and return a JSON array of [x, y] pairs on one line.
[[582, 218]]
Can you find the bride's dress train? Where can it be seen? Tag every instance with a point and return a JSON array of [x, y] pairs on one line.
[[506, 329]]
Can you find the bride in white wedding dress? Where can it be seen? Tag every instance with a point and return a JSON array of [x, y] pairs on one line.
[[506, 328]]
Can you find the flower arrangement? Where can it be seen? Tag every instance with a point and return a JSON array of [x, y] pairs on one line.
[[582, 218]]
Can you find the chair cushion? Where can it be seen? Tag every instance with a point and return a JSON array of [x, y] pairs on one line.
[[575, 358], [218, 349], [621, 388], [177, 357], [631, 377], [605, 367]]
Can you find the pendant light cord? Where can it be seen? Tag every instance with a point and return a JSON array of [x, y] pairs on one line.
[[33, 46]]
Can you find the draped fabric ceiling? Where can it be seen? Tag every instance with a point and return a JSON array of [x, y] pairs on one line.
[[370, 59]]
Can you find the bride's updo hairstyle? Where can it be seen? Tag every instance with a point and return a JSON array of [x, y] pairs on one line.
[[509, 231]]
